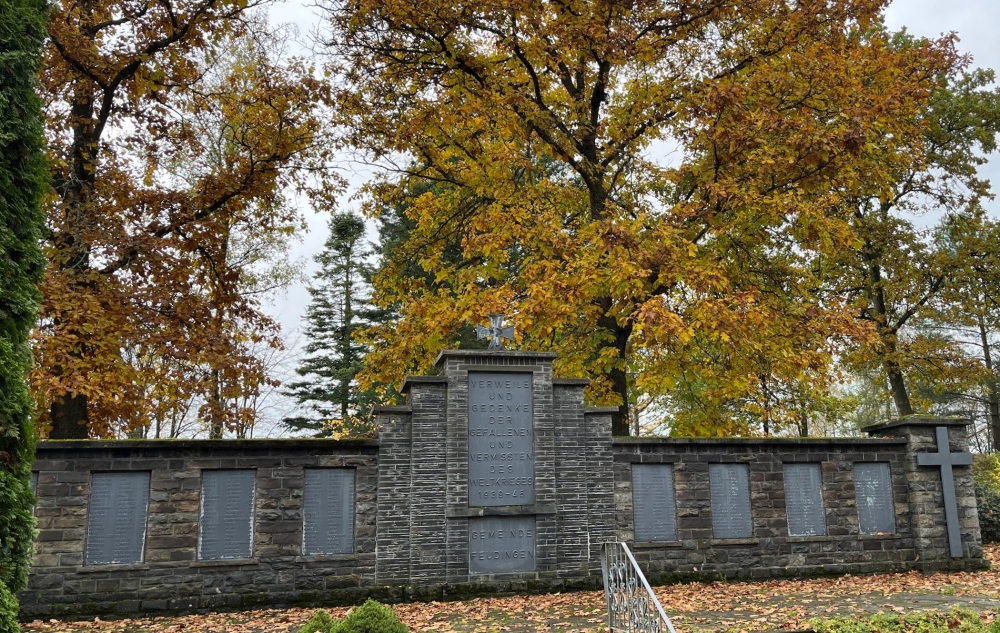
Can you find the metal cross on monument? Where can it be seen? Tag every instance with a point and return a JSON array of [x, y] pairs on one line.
[[496, 332], [946, 459]]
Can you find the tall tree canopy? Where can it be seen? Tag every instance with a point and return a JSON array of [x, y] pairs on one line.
[[175, 129], [699, 268], [23, 184], [895, 277]]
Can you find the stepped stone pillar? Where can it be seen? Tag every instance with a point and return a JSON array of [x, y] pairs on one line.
[[494, 472], [939, 483]]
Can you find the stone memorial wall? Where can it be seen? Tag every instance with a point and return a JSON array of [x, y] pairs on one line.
[[492, 477]]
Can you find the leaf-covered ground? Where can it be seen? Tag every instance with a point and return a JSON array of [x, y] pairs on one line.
[[695, 608]]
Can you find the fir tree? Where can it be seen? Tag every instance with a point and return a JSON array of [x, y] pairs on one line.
[[334, 404]]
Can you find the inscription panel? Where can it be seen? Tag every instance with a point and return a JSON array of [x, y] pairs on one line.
[[227, 498], [730, 487], [501, 440], [328, 515], [116, 518], [873, 488], [804, 500], [499, 545], [653, 503]]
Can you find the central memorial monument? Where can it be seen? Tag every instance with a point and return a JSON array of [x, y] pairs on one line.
[[499, 474]]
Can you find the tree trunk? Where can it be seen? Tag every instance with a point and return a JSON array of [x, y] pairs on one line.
[[69, 417], [992, 388], [216, 417], [620, 421], [69, 410], [886, 332], [898, 386]]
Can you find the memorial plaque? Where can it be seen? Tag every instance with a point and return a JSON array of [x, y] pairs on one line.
[[873, 489], [653, 503], [116, 518], [34, 483], [499, 545], [501, 440], [804, 500], [328, 516], [730, 486], [227, 498]]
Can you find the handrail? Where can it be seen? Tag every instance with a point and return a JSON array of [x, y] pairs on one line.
[[632, 605]]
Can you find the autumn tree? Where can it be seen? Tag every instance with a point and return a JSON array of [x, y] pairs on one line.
[[896, 276], [781, 112], [968, 308], [338, 307], [23, 183], [175, 127]]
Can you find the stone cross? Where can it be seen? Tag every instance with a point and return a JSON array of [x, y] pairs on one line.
[[496, 332], [945, 459]]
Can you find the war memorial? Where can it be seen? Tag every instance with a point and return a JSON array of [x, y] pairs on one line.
[[494, 476]]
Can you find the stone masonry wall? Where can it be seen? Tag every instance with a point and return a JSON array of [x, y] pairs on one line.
[[413, 510], [925, 495], [170, 576], [771, 552]]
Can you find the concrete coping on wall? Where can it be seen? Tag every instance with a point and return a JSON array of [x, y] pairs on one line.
[[227, 444], [392, 408], [493, 353], [409, 381], [571, 382], [757, 441], [917, 420]]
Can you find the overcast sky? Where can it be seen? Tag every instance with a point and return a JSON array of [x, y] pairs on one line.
[[975, 21]]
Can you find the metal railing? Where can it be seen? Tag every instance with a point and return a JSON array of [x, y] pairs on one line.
[[632, 605]]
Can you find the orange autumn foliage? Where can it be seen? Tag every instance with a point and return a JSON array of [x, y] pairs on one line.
[[175, 129], [542, 127]]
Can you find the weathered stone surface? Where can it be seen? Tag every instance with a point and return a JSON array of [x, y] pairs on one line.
[[170, 576], [412, 514]]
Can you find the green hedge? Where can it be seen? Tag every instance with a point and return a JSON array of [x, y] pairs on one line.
[[986, 473], [22, 185], [371, 617], [955, 621]]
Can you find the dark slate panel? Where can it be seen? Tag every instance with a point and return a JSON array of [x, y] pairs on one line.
[[873, 488], [654, 504], [116, 517], [34, 483], [730, 486], [501, 544], [804, 500], [328, 511], [227, 498], [501, 440]]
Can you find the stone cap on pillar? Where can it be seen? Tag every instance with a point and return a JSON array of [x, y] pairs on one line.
[[473, 354], [915, 420]]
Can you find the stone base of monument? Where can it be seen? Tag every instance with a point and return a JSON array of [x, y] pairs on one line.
[[493, 477]]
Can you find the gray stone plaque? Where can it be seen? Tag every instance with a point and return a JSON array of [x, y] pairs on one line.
[[653, 504], [116, 518], [227, 498], [501, 544], [328, 517], [730, 486], [873, 489], [501, 440], [804, 500], [34, 483]]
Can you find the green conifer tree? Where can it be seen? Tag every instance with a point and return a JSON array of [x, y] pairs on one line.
[[22, 186], [333, 403]]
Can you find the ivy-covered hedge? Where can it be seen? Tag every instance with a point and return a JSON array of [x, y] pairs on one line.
[[22, 185], [986, 473]]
